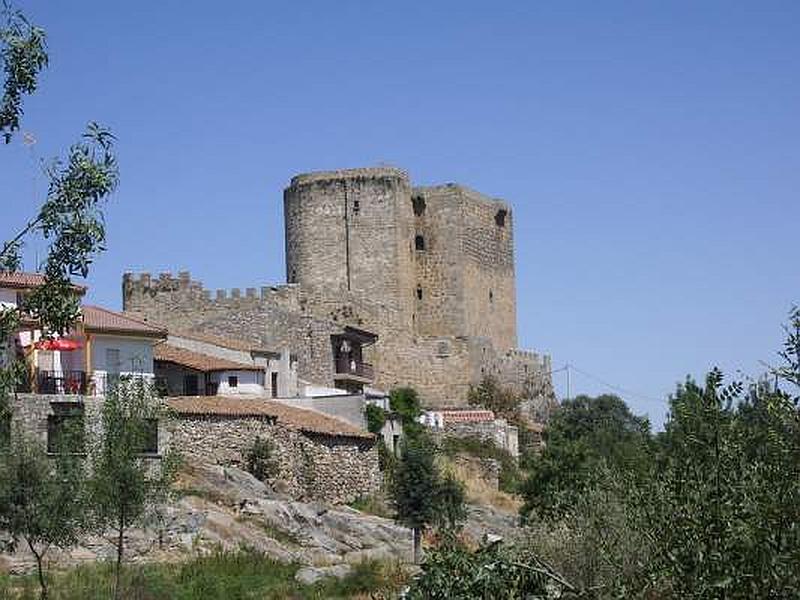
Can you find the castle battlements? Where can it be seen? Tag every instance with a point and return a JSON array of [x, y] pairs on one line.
[[349, 174], [143, 287]]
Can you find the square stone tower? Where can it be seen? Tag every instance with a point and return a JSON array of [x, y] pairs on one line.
[[429, 269]]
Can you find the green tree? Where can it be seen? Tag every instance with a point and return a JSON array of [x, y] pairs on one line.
[[489, 394], [124, 486], [70, 218], [584, 435], [724, 504], [405, 403], [491, 573], [376, 418], [23, 55], [42, 499], [451, 510], [415, 481]]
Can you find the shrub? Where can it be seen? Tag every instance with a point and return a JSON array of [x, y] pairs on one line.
[[509, 479], [261, 463], [376, 418]]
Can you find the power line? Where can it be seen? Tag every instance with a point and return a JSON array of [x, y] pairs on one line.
[[611, 386]]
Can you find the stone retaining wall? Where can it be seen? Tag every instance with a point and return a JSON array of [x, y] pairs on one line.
[[335, 469]]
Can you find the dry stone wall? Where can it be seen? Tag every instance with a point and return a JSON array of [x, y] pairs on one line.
[[325, 468]]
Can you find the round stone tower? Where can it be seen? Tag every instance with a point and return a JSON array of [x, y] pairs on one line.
[[349, 236]]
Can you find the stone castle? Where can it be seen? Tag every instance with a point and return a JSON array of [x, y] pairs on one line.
[[428, 270]]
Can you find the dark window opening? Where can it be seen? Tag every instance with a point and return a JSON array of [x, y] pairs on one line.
[[356, 206], [190, 386], [233, 381], [500, 217], [65, 433], [491, 296], [419, 292], [150, 437], [419, 243], [274, 385], [419, 205]]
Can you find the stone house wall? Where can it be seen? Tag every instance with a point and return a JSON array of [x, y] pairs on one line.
[[499, 432], [335, 469], [30, 413]]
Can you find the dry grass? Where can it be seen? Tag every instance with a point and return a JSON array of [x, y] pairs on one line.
[[478, 490]]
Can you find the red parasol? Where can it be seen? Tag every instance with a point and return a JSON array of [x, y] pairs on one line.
[[61, 344]]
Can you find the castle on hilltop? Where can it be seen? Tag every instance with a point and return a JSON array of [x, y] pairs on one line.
[[387, 285]]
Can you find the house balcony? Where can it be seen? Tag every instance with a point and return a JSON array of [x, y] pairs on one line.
[[353, 370], [62, 383]]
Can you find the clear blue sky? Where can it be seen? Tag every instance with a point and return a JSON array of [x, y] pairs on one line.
[[651, 151]]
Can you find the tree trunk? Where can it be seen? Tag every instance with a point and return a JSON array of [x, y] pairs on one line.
[[40, 572], [118, 566], [416, 544]]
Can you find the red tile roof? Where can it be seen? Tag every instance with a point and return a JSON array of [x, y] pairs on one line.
[[467, 416], [27, 281], [300, 419], [199, 362], [102, 320]]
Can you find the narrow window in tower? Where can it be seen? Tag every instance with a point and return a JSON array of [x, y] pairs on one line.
[[419, 292], [356, 206], [419, 205], [419, 243], [500, 217], [491, 296]]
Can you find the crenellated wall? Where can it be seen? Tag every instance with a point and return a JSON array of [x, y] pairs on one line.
[[270, 317]]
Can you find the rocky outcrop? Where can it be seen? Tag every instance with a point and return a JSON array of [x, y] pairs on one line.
[[226, 508]]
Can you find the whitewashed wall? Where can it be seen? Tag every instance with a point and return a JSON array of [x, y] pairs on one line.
[[135, 354], [251, 383], [8, 298]]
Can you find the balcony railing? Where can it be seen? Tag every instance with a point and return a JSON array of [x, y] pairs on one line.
[[354, 367], [61, 382]]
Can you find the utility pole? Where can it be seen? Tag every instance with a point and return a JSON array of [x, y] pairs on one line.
[[568, 389]]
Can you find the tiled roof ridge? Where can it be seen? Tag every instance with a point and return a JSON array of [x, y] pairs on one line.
[[302, 419], [199, 361], [93, 319], [26, 279], [218, 340], [123, 315]]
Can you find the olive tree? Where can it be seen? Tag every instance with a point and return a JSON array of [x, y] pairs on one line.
[[42, 498], [124, 484]]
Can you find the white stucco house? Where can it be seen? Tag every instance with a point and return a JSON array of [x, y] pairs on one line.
[[103, 345]]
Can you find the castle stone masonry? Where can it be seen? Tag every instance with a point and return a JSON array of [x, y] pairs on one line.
[[430, 270]]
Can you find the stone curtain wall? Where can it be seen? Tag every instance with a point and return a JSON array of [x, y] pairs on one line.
[[310, 467], [273, 318]]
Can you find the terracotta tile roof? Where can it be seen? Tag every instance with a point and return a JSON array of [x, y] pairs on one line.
[[26, 281], [223, 342], [199, 362], [102, 320], [467, 416], [300, 419]]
